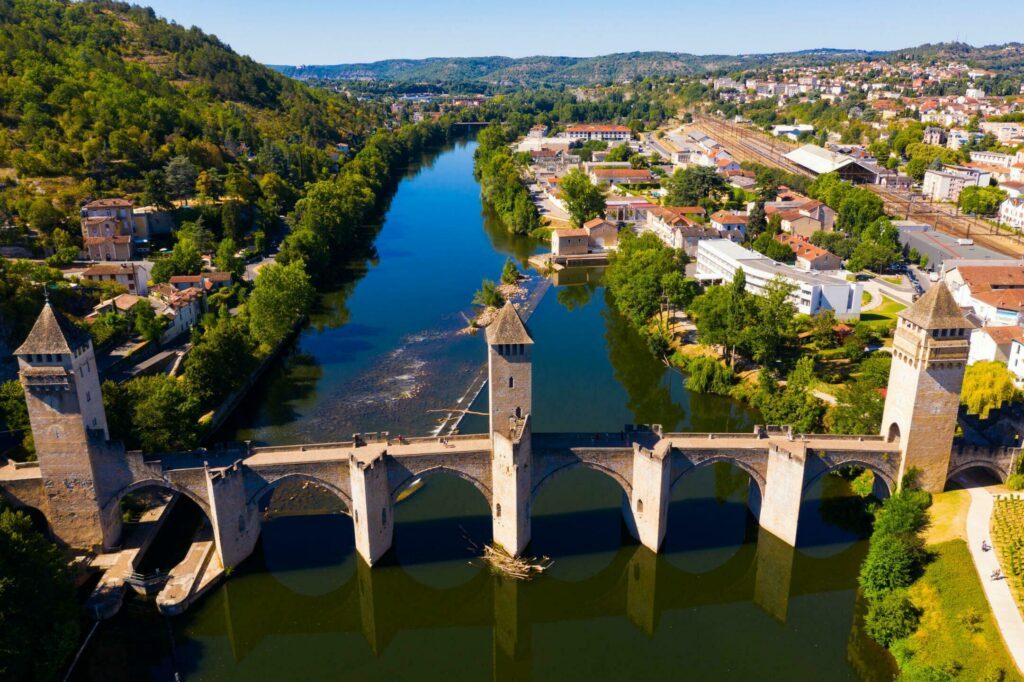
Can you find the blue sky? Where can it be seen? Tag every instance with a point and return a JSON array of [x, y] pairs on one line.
[[325, 32]]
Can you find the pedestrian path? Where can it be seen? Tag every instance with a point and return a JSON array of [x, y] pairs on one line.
[[1004, 608]]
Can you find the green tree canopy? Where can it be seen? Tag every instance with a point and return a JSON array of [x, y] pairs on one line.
[[583, 200], [283, 293]]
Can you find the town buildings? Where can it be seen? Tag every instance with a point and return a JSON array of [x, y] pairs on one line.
[[809, 256], [813, 293], [108, 229], [607, 133], [133, 276], [946, 184]]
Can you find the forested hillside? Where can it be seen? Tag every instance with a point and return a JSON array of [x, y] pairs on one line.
[[95, 94], [544, 70]]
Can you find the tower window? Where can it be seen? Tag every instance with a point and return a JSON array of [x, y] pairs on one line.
[[511, 382], [88, 397]]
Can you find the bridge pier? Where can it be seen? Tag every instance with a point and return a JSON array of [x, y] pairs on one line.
[[512, 636], [511, 478], [641, 591], [650, 499], [783, 490], [773, 576], [372, 513], [236, 525]]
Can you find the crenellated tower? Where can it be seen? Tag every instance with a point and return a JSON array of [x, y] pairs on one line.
[[929, 357], [510, 368], [58, 371]]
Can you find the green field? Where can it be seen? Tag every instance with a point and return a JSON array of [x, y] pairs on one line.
[[957, 630], [884, 315]]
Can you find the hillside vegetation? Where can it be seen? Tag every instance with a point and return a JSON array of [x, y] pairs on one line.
[[95, 94], [551, 70]]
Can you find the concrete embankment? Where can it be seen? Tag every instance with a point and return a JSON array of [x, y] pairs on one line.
[[119, 567], [190, 579]]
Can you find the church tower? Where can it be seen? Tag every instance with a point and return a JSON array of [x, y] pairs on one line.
[[65, 406], [510, 368], [929, 357]]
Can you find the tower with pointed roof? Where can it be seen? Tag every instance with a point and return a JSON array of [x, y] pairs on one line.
[[929, 357], [510, 367], [58, 371], [510, 382]]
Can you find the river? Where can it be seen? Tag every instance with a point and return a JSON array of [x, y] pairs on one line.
[[723, 600]]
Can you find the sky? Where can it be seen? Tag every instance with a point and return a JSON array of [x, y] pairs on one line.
[[324, 32]]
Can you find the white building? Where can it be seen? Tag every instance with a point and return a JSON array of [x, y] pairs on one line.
[[814, 293], [1011, 212], [946, 184], [993, 343], [608, 133], [994, 293]]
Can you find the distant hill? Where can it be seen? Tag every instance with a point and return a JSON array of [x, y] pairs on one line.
[[630, 65]]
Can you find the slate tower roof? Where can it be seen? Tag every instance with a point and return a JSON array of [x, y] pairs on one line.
[[937, 310], [508, 327], [53, 333]]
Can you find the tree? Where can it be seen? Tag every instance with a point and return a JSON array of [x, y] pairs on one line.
[[981, 200], [773, 324], [239, 185], [42, 216], [773, 248], [64, 249], [154, 190], [618, 154], [723, 313], [987, 385], [226, 259], [509, 273], [38, 610], [283, 294], [688, 186], [180, 176], [14, 414], [221, 362], [679, 289], [147, 324], [858, 409], [893, 562], [231, 219], [163, 413], [757, 222], [583, 200], [488, 295], [640, 273], [184, 259], [891, 618], [209, 184]]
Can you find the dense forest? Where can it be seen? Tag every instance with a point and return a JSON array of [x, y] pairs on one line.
[[93, 95]]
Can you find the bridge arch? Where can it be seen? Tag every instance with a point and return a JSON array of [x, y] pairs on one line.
[[987, 465], [200, 501], [626, 486], [886, 477], [272, 485], [737, 462], [412, 476]]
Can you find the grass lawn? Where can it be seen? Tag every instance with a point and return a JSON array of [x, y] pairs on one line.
[[884, 314], [865, 298], [948, 517], [957, 626]]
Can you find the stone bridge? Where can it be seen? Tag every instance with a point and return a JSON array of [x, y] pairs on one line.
[[82, 476]]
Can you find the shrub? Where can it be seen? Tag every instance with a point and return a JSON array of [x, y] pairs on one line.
[[1015, 482], [893, 562], [904, 513], [891, 618], [864, 484]]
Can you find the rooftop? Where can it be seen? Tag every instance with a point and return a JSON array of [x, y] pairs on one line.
[[936, 310], [53, 333], [508, 327]]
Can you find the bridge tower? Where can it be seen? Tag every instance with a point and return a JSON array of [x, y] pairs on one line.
[[58, 371], [510, 389], [928, 362]]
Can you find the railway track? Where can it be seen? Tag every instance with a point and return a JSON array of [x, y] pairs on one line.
[[752, 146]]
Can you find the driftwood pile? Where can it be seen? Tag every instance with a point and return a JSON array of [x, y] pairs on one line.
[[519, 568]]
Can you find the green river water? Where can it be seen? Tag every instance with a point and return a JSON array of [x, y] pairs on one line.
[[722, 602]]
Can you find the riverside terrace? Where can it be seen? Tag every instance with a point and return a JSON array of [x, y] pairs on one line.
[[81, 477]]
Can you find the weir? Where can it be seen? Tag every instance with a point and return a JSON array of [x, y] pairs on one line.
[[81, 476]]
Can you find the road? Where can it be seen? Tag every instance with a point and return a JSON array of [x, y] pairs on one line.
[[747, 144]]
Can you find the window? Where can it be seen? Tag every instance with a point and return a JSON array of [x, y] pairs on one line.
[[383, 517], [640, 506], [511, 382], [88, 397], [497, 510]]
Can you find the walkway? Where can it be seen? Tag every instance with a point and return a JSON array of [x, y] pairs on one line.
[[1004, 608]]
